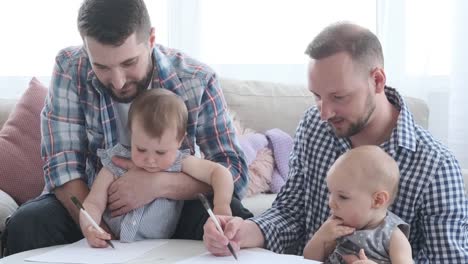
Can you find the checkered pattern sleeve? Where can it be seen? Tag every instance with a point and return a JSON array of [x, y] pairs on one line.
[[283, 224], [444, 218], [63, 127], [216, 135]]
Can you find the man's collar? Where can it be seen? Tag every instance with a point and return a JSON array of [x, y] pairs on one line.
[[403, 135]]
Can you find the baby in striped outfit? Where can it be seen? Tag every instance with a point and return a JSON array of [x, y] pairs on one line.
[[362, 184], [157, 120]]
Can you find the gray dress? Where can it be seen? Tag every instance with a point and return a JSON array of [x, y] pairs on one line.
[[375, 242], [156, 220]]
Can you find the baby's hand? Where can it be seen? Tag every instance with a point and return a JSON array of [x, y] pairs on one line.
[[332, 229], [222, 210], [95, 237]]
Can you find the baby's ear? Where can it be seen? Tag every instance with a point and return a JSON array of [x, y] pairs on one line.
[[379, 199]]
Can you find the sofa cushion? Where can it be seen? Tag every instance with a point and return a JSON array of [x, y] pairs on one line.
[[266, 105], [21, 173]]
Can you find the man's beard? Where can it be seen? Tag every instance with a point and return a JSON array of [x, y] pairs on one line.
[[141, 86], [359, 125]]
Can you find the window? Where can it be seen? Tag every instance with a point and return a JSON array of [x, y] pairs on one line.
[[428, 37], [31, 38], [271, 32]]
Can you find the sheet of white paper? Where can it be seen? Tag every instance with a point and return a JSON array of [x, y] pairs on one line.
[[249, 256], [81, 252]]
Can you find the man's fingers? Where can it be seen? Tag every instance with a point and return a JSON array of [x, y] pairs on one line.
[[113, 200], [362, 255], [350, 259], [216, 248], [123, 163], [120, 211], [210, 232], [232, 227], [113, 188]]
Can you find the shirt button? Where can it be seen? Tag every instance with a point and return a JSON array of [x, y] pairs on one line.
[[134, 223]]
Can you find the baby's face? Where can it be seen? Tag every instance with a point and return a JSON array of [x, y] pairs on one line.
[[153, 154], [349, 199]]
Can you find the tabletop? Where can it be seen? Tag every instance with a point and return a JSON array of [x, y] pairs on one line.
[[172, 251]]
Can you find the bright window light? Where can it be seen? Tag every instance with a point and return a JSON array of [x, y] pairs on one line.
[[428, 37], [34, 31], [271, 32]]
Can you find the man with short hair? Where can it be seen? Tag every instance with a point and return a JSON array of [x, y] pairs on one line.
[[91, 91], [355, 108]]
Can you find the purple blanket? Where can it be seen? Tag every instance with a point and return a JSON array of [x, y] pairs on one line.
[[281, 145]]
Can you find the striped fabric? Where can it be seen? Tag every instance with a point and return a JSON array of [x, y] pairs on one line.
[[156, 220], [431, 198], [78, 117]]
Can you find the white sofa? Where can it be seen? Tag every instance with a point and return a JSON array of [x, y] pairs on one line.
[[259, 106]]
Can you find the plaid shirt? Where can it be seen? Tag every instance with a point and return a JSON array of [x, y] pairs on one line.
[[431, 199], [78, 117]]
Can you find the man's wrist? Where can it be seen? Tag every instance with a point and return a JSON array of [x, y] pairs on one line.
[[251, 235], [158, 187]]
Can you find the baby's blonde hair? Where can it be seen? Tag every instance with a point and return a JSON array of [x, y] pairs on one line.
[[157, 110], [373, 166]]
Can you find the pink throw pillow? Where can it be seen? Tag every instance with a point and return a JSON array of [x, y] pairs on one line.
[[21, 174], [260, 172]]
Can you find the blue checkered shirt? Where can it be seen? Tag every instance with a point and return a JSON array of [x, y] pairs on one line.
[[431, 199], [78, 117]]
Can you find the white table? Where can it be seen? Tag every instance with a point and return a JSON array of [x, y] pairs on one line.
[[174, 250]]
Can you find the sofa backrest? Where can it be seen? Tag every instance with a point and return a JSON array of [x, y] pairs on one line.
[[265, 105]]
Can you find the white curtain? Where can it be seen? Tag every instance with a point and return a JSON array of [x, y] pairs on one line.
[[458, 114], [425, 46]]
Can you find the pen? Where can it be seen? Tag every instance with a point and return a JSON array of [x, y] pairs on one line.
[[90, 219], [206, 204]]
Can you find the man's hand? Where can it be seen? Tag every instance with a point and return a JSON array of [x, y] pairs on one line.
[[215, 241], [133, 190], [362, 259]]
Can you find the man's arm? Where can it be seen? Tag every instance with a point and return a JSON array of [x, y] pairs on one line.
[[240, 233], [138, 187], [76, 188], [444, 217], [63, 136], [215, 134]]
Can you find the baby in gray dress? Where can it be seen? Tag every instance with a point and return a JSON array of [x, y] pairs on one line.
[[157, 120], [362, 183]]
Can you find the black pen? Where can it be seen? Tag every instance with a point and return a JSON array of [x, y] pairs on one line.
[[207, 206], [90, 219]]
